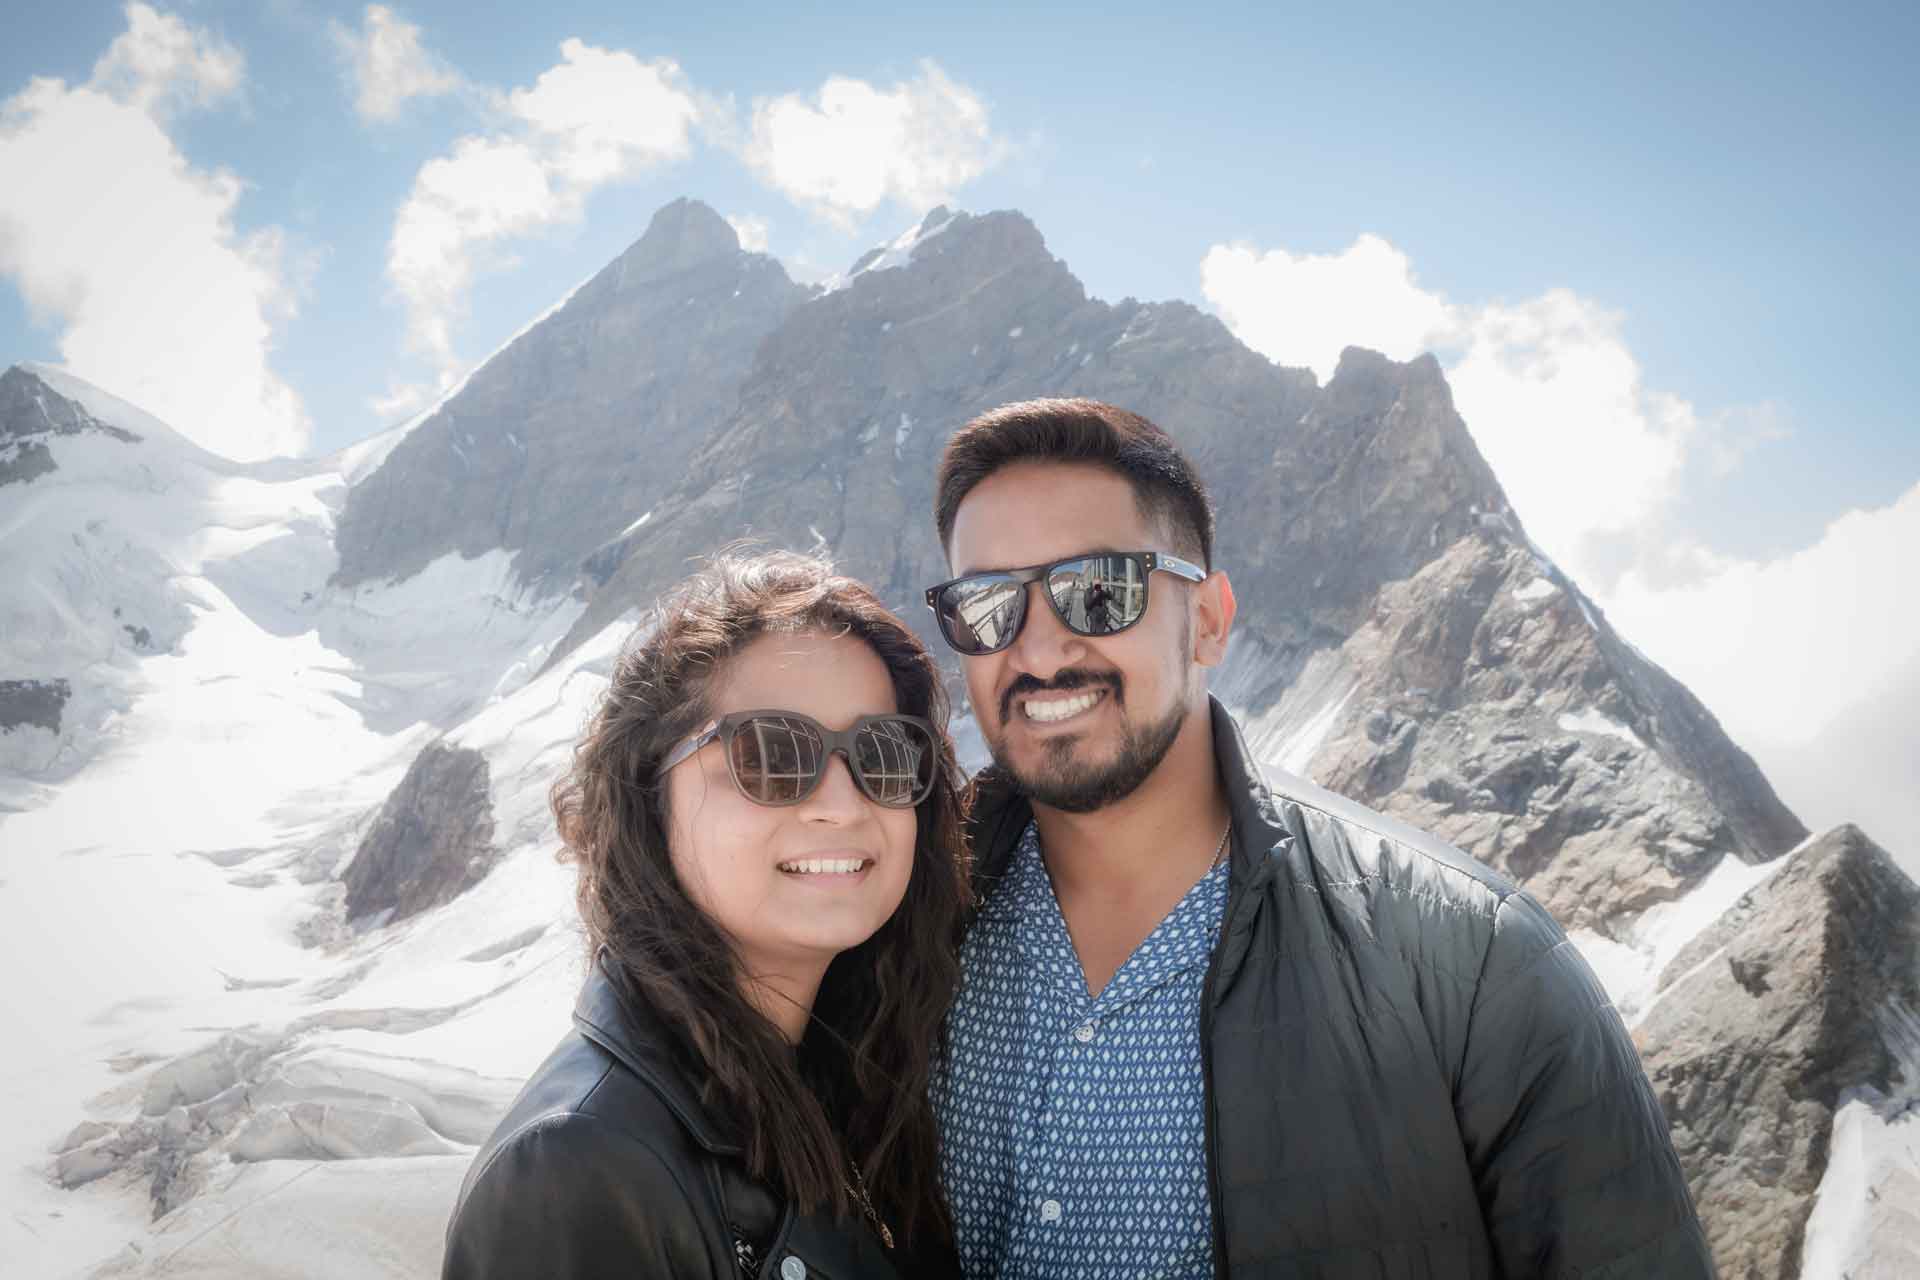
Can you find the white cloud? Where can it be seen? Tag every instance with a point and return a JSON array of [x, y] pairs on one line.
[[594, 117], [853, 146], [389, 65], [1554, 399], [601, 114], [752, 231], [160, 63], [133, 251], [1780, 647], [1304, 309]]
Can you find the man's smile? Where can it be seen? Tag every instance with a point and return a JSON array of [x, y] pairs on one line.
[[1056, 708]]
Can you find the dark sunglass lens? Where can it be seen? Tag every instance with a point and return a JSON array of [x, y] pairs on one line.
[[776, 758], [895, 759], [980, 615], [1098, 595]]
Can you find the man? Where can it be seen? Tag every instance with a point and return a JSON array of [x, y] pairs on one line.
[[1213, 1025]]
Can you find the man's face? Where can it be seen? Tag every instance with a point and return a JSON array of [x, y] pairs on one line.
[[1078, 721]]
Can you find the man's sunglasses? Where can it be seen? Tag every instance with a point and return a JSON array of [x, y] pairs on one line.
[[1097, 595], [777, 757]]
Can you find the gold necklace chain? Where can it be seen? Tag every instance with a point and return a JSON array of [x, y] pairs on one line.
[[858, 1190], [1222, 846]]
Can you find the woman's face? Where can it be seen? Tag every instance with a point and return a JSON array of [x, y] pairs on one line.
[[739, 861]]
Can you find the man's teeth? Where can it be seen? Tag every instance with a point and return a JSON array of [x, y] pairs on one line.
[[1059, 709], [824, 866]]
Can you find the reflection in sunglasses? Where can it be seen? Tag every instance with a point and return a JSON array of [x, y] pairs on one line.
[[778, 759]]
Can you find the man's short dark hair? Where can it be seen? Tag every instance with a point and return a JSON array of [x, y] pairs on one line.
[[1163, 479]]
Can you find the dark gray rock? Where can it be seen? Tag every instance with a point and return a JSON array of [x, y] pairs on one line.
[[31, 415], [432, 839], [561, 441], [1797, 995], [33, 702]]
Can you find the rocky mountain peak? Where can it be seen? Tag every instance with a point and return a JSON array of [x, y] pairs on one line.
[[569, 434], [681, 236], [1801, 996]]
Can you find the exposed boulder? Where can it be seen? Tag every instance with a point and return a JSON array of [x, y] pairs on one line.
[[432, 839], [1804, 991], [33, 702]]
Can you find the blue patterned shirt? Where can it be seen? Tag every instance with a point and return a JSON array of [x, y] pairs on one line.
[[1073, 1128]]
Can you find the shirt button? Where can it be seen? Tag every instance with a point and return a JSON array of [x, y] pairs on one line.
[[1084, 1032], [791, 1268], [1050, 1211]]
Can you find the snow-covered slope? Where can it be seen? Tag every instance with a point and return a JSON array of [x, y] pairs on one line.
[[230, 725]]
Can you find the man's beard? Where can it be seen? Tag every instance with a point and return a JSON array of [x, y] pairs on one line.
[[1072, 787]]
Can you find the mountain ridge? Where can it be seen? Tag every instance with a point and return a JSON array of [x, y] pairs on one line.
[[451, 613]]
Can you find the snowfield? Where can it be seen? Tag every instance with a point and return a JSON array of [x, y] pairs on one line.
[[169, 857]]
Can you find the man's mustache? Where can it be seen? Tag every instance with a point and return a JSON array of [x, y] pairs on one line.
[[1065, 681]]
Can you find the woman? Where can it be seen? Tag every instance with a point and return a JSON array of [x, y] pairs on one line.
[[765, 813]]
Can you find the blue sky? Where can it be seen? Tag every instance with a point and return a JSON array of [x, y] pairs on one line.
[[1665, 251]]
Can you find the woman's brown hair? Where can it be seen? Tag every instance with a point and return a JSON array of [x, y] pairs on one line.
[[857, 1086]]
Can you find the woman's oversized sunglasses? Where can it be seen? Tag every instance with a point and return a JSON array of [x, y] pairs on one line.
[[1096, 595], [777, 757]]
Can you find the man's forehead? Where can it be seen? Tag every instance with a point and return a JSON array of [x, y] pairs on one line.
[[1036, 513]]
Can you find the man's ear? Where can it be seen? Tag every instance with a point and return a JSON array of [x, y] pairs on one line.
[[1213, 610]]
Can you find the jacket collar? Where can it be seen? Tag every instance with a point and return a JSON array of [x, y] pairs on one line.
[[634, 1035], [1000, 813], [1257, 827]]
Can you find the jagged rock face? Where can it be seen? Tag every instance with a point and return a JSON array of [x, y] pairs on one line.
[[842, 419], [1485, 701], [1370, 546], [32, 413], [1797, 994], [565, 438], [433, 838]]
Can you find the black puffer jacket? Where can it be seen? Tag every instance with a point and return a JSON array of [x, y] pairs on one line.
[[1410, 1072], [608, 1165]]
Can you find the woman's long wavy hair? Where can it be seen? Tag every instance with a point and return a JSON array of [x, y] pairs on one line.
[[857, 1086]]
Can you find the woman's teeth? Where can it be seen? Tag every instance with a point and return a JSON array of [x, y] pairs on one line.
[[1058, 709], [824, 866]]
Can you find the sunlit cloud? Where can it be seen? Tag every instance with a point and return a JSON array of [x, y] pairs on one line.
[[1311, 306], [1783, 645], [159, 64], [851, 146], [132, 252], [387, 64], [751, 230], [595, 117]]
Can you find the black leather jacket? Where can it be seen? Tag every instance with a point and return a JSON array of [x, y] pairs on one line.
[[608, 1165], [1410, 1071]]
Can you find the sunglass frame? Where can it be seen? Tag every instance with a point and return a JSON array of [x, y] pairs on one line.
[[1148, 562], [831, 741]]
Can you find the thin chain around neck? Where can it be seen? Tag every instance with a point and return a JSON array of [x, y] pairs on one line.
[[1222, 847]]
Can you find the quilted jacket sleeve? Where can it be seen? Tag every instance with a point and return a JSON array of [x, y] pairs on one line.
[[570, 1197], [1570, 1151]]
